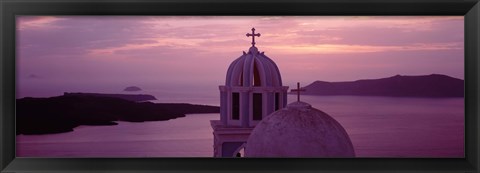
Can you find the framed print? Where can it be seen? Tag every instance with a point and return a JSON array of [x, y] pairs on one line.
[[192, 86]]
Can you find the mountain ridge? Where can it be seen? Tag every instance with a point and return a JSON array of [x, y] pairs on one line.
[[433, 85]]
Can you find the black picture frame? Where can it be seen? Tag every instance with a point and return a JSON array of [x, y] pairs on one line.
[[11, 8]]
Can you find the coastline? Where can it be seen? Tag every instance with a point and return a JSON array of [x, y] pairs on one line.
[[63, 113]]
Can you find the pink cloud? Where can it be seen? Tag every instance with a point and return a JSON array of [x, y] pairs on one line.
[[37, 22], [356, 49]]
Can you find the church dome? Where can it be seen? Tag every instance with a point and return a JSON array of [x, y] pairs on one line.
[[299, 131], [253, 69]]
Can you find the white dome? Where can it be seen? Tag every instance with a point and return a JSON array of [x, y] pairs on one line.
[[253, 64], [299, 131]]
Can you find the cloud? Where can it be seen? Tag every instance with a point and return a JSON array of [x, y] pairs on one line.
[[195, 49], [356, 48], [370, 31], [100, 35], [37, 22]]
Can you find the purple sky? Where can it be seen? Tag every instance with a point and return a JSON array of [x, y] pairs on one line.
[[106, 54]]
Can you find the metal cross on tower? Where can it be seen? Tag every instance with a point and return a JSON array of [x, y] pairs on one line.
[[298, 91], [253, 36]]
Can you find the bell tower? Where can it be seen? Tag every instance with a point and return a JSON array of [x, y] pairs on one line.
[[253, 90]]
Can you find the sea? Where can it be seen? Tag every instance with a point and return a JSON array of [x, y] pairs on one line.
[[379, 127]]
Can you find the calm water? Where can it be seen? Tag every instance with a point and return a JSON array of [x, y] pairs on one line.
[[378, 127]]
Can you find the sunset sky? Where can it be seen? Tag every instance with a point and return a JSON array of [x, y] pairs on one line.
[[108, 53]]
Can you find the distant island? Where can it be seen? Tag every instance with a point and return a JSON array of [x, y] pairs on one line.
[[132, 88], [434, 85], [130, 97], [63, 113]]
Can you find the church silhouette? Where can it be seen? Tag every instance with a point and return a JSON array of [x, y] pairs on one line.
[[253, 113]]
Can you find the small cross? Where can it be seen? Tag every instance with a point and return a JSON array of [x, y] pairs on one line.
[[298, 91], [253, 36]]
